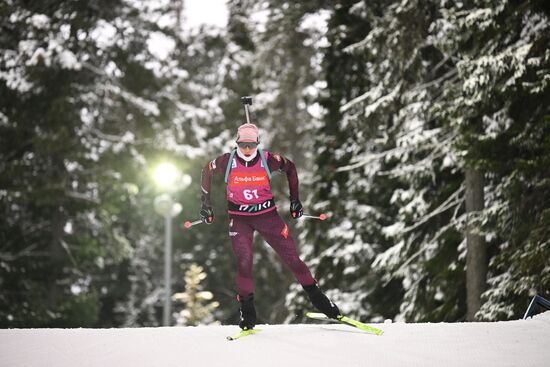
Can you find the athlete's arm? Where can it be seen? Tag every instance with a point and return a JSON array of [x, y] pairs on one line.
[[277, 162], [213, 168]]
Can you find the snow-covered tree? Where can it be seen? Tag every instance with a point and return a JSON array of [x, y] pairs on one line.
[[198, 308], [443, 84], [87, 108]]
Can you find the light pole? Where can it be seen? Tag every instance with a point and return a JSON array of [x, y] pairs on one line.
[[166, 176]]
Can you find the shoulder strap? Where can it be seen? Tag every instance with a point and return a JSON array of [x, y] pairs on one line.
[[264, 162], [229, 164]]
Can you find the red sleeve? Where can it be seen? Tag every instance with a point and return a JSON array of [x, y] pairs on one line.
[[213, 168], [277, 162]]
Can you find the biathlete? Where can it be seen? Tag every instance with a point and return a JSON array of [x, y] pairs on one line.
[[251, 208]]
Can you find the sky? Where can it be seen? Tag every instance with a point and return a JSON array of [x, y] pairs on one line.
[[195, 14], [211, 12]]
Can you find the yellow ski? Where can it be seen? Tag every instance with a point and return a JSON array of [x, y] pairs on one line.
[[243, 333], [346, 321]]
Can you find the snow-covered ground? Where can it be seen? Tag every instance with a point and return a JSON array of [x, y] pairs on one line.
[[521, 343]]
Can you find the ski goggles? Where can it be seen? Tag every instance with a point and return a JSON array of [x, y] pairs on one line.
[[247, 144]]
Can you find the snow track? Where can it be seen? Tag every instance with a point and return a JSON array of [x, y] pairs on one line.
[[522, 343]]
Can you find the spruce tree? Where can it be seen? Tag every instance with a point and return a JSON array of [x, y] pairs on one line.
[[196, 311]]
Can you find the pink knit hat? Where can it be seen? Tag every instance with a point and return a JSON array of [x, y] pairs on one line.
[[248, 133]]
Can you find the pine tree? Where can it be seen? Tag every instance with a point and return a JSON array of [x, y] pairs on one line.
[[395, 159], [84, 111], [502, 69], [196, 311], [51, 193], [342, 254], [415, 130]]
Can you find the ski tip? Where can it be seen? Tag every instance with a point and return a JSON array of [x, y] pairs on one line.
[[243, 333], [315, 314]]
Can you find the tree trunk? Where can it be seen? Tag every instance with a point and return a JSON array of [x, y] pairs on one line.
[[56, 254], [476, 258]]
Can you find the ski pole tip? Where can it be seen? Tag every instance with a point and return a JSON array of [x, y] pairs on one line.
[[323, 216]]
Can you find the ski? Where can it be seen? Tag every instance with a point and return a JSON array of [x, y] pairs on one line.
[[243, 333], [346, 321]]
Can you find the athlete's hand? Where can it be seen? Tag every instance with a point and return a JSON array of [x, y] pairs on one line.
[[206, 214], [296, 209]]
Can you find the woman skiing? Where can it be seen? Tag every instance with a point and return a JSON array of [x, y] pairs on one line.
[[251, 208]]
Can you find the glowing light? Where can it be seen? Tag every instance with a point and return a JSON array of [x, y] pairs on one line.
[[166, 175]]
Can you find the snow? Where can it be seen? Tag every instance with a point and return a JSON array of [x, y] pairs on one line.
[[511, 343], [40, 21], [160, 45], [104, 34], [68, 60], [260, 17], [205, 12], [4, 121], [316, 25]]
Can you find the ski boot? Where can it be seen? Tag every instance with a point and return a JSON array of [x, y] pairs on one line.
[[247, 312], [321, 302]]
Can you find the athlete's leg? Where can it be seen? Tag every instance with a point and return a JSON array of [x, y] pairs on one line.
[[274, 230], [276, 233], [242, 234]]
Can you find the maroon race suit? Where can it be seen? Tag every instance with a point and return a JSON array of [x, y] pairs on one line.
[[251, 208]]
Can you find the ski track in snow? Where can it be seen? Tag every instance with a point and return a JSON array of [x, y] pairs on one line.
[[522, 343]]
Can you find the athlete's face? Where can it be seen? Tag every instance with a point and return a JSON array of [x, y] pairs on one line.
[[247, 148]]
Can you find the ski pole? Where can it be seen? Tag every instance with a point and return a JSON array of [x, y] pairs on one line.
[[320, 216], [189, 224]]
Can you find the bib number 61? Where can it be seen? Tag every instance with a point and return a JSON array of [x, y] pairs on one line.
[[250, 194]]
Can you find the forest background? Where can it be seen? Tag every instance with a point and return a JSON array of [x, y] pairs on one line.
[[420, 127]]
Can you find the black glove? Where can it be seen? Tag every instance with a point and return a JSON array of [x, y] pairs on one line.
[[206, 214], [296, 209]]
